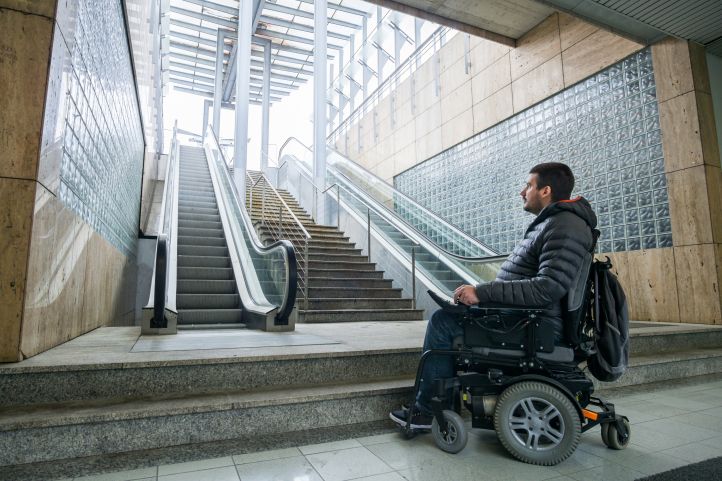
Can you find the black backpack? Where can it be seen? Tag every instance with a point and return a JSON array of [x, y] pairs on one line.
[[610, 322], [599, 326]]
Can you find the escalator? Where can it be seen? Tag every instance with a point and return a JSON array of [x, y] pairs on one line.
[[211, 270], [407, 237]]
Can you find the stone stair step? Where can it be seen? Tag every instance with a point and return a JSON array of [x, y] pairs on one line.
[[333, 257], [348, 282], [71, 430], [344, 273], [357, 303], [354, 292], [359, 315], [342, 265]]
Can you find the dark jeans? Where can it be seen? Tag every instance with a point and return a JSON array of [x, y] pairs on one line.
[[443, 327]]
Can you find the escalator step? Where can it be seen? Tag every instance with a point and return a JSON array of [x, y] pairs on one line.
[[209, 316]]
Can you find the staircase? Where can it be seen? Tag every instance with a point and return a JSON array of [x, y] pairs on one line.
[[343, 286], [206, 294]]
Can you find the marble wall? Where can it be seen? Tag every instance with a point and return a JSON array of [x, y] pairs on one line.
[[58, 277]]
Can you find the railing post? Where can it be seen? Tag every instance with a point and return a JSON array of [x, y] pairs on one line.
[[280, 219], [413, 277], [263, 208], [368, 233], [306, 279], [338, 207]]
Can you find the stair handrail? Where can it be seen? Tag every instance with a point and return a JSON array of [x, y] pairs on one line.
[[162, 296], [285, 310], [278, 196], [301, 279], [426, 211]]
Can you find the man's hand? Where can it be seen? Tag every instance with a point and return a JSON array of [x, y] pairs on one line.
[[466, 295]]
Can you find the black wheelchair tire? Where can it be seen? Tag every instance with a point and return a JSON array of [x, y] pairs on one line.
[[610, 435], [456, 438], [565, 416]]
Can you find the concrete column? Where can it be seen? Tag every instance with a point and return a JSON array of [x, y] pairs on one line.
[[320, 20], [266, 107], [218, 87], [243, 80], [206, 106]]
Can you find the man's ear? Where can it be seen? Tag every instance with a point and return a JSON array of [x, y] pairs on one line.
[[547, 190]]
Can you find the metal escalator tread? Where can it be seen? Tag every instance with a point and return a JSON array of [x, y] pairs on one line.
[[207, 296]]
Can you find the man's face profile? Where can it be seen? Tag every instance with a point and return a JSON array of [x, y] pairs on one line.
[[531, 195]]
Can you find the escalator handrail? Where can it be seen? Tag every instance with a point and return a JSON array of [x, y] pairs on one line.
[[415, 204], [289, 299], [161, 297], [412, 233]]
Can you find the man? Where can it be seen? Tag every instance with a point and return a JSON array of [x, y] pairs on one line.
[[538, 273]]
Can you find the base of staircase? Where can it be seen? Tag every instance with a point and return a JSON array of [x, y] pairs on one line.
[[96, 396]]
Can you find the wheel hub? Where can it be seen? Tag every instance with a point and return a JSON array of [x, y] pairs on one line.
[[536, 424]]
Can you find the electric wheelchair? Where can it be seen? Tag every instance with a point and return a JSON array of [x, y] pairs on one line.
[[514, 379]]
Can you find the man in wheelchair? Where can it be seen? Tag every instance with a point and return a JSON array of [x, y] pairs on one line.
[[518, 372]]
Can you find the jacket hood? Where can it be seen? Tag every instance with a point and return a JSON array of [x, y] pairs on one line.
[[578, 206]]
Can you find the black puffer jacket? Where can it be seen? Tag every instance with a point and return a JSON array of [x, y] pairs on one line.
[[542, 267]]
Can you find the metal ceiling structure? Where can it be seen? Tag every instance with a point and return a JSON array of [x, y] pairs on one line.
[[190, 43]]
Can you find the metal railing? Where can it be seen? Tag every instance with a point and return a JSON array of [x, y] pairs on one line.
[[406, 69], [267, 206]]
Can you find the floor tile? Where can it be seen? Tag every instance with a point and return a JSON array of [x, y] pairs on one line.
[[325, 447], [411, 453], [194, 466], [227, 473], [607, 472], [694, 452], [579, 461], [653, 463], [678, 431], [297, 468], [266, 455], [379, 438], [132, 475], [382, 477], [347, 464]]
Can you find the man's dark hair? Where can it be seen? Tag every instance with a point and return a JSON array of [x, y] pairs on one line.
[[556, 175]]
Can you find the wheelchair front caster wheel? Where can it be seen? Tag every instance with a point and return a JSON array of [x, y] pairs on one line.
[[454, 438], [612, 438]]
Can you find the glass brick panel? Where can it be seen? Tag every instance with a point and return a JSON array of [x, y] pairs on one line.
[[102, 162], [606, 128]]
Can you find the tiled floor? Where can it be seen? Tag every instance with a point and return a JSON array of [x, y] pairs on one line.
[[671, 427]]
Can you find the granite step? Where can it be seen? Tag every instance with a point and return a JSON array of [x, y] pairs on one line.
[[358, 315], [348, 282], [339, 291], [354, 303], [76, 429]]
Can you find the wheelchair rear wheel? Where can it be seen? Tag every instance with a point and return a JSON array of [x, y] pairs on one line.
[[537, 423], [455, 438]]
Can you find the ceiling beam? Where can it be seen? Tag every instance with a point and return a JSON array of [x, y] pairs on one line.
[[203, 16], [455, 24], [302, 13]]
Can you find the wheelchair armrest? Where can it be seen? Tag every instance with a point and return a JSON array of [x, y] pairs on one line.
[[488, 309]]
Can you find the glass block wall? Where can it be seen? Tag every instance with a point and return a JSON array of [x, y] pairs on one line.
[[102, 162], [606, 128]]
